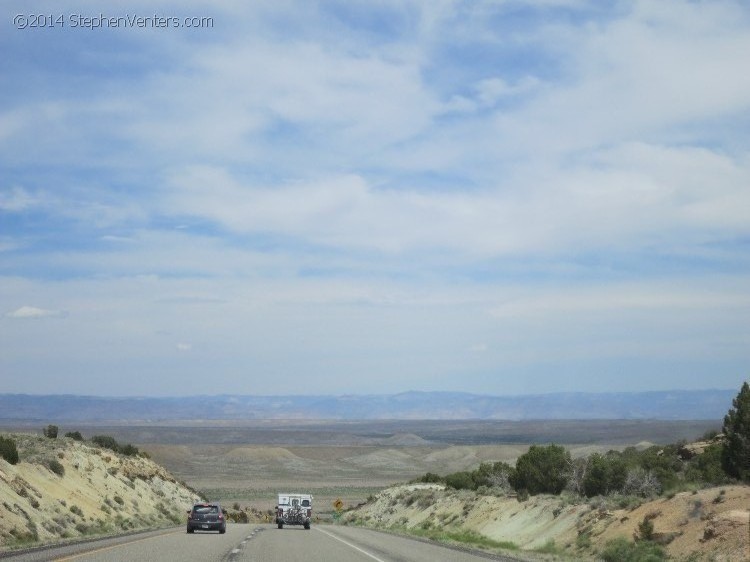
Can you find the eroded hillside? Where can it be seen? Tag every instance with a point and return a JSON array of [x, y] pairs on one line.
[[62, 489], [710, 524]]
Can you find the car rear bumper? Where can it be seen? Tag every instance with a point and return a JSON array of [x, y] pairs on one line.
[[199, 526]]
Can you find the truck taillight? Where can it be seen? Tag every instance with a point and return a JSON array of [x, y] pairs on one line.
[[309, 512]]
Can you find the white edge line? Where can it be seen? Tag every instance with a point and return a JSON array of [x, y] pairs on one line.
[[349, 544]]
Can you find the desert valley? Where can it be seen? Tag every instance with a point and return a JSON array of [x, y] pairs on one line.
[[368, 466]]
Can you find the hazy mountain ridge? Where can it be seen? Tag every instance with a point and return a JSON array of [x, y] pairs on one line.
[[658, 405]]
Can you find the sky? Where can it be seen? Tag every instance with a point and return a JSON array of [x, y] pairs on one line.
[[355, 197]]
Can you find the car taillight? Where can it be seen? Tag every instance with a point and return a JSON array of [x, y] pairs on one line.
[[221, 517]]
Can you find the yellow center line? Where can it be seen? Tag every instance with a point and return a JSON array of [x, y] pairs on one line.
[[104, 549]]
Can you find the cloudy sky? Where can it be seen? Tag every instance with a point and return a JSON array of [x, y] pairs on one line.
[[294, 197]]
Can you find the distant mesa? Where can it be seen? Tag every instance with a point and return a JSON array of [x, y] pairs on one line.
[[405, 440]]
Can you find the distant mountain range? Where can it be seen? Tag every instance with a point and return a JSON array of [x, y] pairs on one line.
[[669, 405]]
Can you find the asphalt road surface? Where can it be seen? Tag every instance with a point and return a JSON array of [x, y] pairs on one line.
[[266, 543]]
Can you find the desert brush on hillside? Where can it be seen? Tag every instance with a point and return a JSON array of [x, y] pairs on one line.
[[709, 524], [63, 488], [684, 501]]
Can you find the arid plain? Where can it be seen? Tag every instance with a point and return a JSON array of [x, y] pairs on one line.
[[249, 462]]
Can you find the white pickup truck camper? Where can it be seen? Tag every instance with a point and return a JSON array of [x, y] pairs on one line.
[[294, 509]]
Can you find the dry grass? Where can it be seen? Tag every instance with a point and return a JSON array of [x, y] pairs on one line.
[[690, 526], [62, 489]]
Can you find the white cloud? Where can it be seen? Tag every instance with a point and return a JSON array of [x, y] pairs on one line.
[[630, 197], [34, 312], [17, 199], [89, 205], [392, 329], [491, 90], [607, 300], [641, 75], [336, 101], [443, 193]]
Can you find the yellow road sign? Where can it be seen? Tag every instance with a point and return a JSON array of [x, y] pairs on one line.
[[338, 504]]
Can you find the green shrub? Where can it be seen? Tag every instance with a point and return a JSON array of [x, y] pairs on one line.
[[583, 540], [50, 431], [495, 475], [430, 478], [22, 538], [426, 500], [106, 442], [75, 435], [664, 463], [488, 475], [622, 550], [645, 530], [77, 510], [109, 442], [460, 481], [129, 450], [736, 449], [707, 467], [605, 474], [8, 450], [55, 466], [470, 538], [542, 469]]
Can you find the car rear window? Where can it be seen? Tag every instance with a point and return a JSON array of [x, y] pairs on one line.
[[205, 509]]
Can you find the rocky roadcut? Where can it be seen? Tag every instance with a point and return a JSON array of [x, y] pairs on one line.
[[710, 523], [62, 488]]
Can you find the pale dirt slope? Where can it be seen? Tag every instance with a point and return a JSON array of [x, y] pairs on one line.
[[100, 492], [711, 524]]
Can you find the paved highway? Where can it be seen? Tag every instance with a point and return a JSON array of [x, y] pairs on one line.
[[266, 543]]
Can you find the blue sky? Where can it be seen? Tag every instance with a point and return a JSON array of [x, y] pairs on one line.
[[372, 197]]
